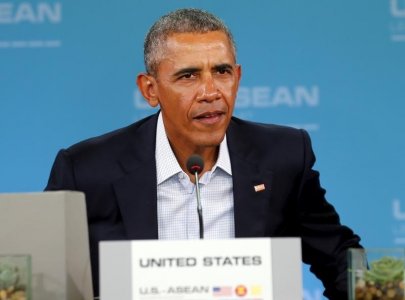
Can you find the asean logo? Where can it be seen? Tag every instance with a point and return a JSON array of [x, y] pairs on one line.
[[241, 290]]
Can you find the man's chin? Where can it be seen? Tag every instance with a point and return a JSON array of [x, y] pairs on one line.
[[210, 141]]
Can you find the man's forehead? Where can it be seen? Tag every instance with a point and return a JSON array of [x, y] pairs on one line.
[[192, 49], [181, 44]]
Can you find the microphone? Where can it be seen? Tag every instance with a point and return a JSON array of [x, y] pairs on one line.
[[195, 165]]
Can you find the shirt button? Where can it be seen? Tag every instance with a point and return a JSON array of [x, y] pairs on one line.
[[181, 176]]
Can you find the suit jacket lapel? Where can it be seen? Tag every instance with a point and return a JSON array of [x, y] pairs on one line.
[[251, 208], [136, 191]]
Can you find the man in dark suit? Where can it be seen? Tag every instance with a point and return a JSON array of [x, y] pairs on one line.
[[257, 179]]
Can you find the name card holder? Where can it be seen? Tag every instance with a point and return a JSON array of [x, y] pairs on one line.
[[247, 268]]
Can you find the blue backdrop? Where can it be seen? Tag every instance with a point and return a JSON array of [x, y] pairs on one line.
[[336, 68]]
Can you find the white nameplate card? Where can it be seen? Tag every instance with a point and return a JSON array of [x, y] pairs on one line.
[[250, 269]]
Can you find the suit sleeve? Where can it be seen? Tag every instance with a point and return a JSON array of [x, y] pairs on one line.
[[325, 240], [62, 174]]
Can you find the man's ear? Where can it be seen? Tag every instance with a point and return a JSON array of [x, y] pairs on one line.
[[238, 72], [147, 85]]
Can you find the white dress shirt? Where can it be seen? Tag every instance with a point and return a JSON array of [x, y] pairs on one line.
[[176, 196]]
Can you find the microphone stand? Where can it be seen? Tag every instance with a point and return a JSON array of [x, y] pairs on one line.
[[195, 165], [199, 207]]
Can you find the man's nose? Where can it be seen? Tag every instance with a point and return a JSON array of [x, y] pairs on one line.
[[208, 90]]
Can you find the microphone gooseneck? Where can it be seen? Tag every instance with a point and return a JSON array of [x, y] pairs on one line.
[[195, 165]]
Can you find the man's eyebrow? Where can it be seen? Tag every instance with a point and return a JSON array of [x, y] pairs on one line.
[[186, 71], [222, 66]]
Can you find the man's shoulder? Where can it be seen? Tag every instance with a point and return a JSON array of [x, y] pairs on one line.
[[268, 143], [258, 129], [116, 140]]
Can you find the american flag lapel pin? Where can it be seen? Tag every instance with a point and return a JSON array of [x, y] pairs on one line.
[[259, 187]]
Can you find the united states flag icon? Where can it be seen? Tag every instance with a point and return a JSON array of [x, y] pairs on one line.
[[222, 291]]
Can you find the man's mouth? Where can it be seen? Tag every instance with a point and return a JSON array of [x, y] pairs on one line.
[[210, 117]]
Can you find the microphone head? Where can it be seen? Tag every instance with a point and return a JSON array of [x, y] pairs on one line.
[[195, 163]]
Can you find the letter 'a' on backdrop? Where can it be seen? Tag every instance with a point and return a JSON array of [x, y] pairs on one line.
[[256, 268], [51, 228]]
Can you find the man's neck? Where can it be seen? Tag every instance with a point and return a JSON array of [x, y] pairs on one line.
[[208, 154]]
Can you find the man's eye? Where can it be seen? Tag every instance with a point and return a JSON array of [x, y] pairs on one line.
[[224, 71], [187, 76]]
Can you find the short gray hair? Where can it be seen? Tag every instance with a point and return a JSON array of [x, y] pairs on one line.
[[185, 20]]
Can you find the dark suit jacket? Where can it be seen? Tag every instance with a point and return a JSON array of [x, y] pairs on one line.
[[117, 172]]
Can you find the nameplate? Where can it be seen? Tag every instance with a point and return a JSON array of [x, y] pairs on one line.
[[259, 269]]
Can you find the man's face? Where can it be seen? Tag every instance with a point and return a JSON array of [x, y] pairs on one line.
[[196, 85]]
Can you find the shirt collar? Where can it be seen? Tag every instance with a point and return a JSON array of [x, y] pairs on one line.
[[223, 161], [166, 162]]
